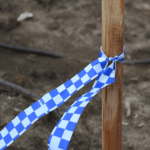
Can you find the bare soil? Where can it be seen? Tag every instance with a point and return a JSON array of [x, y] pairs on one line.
[[72, 28]]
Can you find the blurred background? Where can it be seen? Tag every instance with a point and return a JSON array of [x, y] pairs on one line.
[[71, 28]]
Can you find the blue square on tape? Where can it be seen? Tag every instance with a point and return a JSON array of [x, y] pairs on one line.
[[94, 62], [22, 116], [53, 93], [68, 83], [108, 71], [78, 103], [32, 117], [59, 132], [81, 73], [50, 104], [41, 100], [0, 136], [91, 73], [36, 105], [78, 83], [63, 144], [67, 116], [9, 126], [88, 94], [49, 138], [114, 67], [71, 126], [7, 139], [122, 59], [103, 64], [110, 80], [79, 110], [99, 84], [100, 54], [19, 127], [64, 94]]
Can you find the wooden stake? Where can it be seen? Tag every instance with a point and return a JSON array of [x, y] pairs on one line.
[[112, 44]]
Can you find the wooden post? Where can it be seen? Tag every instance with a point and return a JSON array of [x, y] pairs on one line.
[[112, 44]]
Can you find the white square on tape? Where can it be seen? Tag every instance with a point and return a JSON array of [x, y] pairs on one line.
[[85, 78], [57, 99], [13, 133], [75, 78], [46, 97], [97, 68], [16, 121], [112, 75], [72, 109], [88, 68], [83, 98], [40, 111], [75, 118], [25, 122], [84, 104], [67, 135], [61, 88], [103, 78], [54, 142], [4, 132], [63, 124], [2, 143], [28, 111], [71, 89]]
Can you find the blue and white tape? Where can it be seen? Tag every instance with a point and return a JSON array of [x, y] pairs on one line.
[[62, 133]]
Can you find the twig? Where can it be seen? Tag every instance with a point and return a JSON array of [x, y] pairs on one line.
[[18, 88], [31, 50], [133, 62], [24, 91]]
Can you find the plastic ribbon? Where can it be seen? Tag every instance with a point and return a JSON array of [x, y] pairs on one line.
[[62, 133]]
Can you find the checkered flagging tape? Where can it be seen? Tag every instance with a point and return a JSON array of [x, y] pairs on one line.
[[62, 133]]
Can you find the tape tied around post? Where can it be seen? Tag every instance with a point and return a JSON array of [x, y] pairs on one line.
[[62, 133]]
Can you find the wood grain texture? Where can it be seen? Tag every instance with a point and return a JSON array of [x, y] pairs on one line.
[[112, 44]]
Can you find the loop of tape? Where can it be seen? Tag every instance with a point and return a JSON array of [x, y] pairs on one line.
[[62, 133]]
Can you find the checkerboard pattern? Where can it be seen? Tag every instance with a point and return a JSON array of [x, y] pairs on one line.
[[61, 135]]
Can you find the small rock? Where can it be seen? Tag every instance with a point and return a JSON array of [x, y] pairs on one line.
[[128, 108], [125, 123], [128, 57], [134, 79], [141, 124], [24, 16], [16, 109], [136, 116]]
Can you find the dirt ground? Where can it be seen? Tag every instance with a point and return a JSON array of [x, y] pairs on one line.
[[72, 28]]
